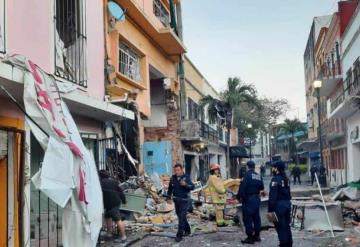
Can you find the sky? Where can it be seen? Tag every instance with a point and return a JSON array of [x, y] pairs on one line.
[[261, 41]]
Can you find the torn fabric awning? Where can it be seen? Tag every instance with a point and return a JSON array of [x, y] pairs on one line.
[[68, 174]]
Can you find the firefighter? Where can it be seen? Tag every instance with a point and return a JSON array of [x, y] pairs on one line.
[[249, 194], [217, 193], [279, 203]]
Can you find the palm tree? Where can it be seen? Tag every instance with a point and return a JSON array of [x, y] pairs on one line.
[[290, 127], [221, 110]]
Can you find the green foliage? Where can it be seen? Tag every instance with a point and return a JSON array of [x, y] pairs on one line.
[[303, 167]]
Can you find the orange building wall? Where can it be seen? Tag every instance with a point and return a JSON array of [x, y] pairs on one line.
[[18, 124], [135, 37]]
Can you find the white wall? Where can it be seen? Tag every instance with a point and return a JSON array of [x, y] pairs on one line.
[[351, 47], [353, 149], [351, 43]]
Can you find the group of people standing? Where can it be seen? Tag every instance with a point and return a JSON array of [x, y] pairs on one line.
[[250, 190]]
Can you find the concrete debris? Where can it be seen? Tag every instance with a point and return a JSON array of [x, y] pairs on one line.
[[347, 193]]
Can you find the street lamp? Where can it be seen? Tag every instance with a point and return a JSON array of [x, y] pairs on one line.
[[317, 85], [249, 126]]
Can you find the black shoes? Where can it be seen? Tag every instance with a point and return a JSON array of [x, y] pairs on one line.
[[247, 241], [256, 239], [187, 233]]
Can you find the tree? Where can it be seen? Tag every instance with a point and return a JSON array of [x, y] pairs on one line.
[[290, 127], [222, 110]]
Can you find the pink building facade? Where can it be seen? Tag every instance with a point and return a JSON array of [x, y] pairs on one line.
[[66, 39]]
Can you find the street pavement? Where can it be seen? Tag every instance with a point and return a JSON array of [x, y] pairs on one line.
[[231, 236]]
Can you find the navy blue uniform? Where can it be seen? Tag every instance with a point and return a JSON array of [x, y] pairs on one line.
[[248, 193], [181, 197], [279, 202]]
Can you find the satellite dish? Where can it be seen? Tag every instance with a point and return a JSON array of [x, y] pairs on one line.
[[116, 11]]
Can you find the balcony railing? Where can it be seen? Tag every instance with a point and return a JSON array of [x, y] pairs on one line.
[[329, 71], [194, 130], [209, 133], [70, 41], [337, 101]]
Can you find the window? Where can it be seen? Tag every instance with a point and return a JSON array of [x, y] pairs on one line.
[[193, 110], [70, 41], [2, 26], [161, 12], [348, 79], [129, 63], [356, 73]]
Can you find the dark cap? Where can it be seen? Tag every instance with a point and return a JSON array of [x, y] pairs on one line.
[[279, 165], [250, 164]]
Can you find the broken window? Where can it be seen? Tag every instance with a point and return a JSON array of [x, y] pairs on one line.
[[129, 63], [70, 41], [161, 12], [2, 25]]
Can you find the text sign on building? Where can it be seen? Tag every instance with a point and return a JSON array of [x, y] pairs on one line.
[[2, 25]]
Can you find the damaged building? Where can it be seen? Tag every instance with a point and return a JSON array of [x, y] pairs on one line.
[[143, 54], [203, 143]]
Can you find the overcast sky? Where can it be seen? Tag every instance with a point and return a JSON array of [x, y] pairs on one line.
[[260, 41]]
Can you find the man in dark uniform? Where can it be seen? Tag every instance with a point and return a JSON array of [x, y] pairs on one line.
[[112, 196], [296, 172], [313, 170], [279, 203], [249, 195], [179, 189]]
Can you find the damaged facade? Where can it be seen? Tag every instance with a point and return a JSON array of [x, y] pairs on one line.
[[27, 216], [203, 143], [122, 82], [143, 54]]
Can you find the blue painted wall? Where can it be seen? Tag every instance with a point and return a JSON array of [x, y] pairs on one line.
[[157, 157]]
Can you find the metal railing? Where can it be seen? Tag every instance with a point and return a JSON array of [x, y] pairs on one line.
[[208, 132], [70, 41], [161, 12], [327, 71]]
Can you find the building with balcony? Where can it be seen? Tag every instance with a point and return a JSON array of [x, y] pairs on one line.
[[66, 40], [329, 68], [143, 54], [346, 104], [311, 72], [203, 143]]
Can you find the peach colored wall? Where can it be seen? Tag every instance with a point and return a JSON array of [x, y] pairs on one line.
[[131, 35], [30, 32]]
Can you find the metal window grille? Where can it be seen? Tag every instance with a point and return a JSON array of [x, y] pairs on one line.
[[161, 12], [129, 64], [2, 26], [356, 73], [70, 41]]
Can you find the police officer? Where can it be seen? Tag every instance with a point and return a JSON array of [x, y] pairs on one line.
[[249, 195], [179, 189], [279, 203], [313, 170], [296, 172]]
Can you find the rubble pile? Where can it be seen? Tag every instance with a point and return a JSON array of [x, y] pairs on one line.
[[151, 213]]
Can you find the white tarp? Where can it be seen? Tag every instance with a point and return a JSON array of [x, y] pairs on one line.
[[68, 175]]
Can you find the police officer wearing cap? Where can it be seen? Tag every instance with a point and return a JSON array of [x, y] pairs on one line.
[[249, 195], [279, 203]]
